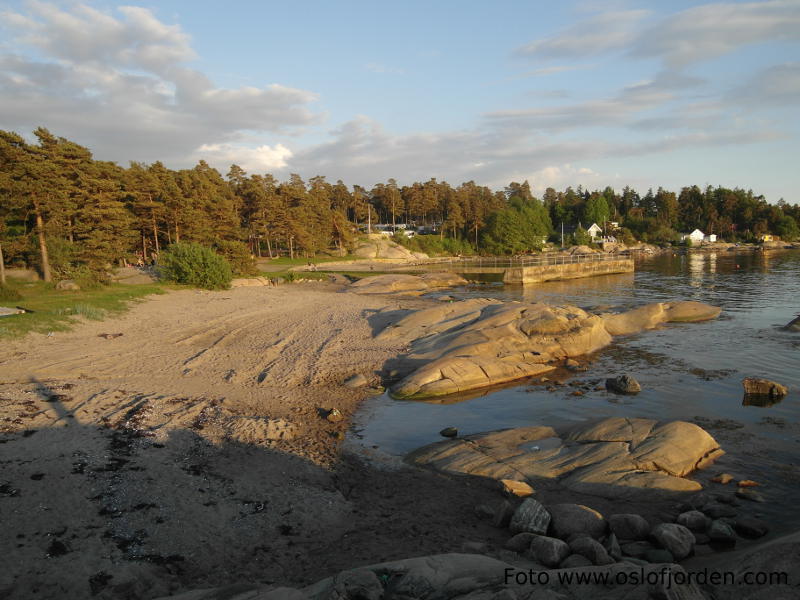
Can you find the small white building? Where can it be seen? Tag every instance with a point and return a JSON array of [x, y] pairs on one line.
[[696, 236], [595, 231], [711, 238]]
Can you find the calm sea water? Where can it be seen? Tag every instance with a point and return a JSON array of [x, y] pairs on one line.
[[686, 370]]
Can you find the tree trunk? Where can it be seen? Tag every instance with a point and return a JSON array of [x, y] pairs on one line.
[[291, 247], [71, 237], [2, 267], [144, 248], [155, 232], [269, 247], [46, 274]]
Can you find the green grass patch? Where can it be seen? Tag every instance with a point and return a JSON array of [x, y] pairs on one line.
[[284, 263], [53, 310]]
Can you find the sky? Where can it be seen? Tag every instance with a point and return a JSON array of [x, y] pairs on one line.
[[583, 92]]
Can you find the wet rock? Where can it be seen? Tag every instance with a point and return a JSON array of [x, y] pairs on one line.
[[700, 539], [744, 483], [520, 489], [750, 527], [659, 555], [449, 432], [793, 325], [629, 526], [574, 561], [548, 551], [519, 543], [755, 386], [503, 514], [355, 381], [675, 538], [591, 549], [570, 519], [636, 549], [531, 517], [572, 364], [721, 533], [717, 511], [694, 520], [723, 478], [749, 494], [624, 384]]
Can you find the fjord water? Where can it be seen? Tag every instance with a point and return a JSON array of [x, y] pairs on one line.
[[686, 370]]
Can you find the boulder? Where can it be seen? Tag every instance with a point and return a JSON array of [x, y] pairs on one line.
[[569, 519], [590, 549], [721, 533], [520, 542], [658, 556], [548, 551], [750, 527], [636, 549], [449, 432], [530, 517], [624, 384], [629, 526], [387, 284], [793, 325], [677, 539], [749, 494], [755, 386], [716, 510], [611, 544], [67, 285], [694, 520], [460, 346], [574, 561], [690, 312], [615, 458]]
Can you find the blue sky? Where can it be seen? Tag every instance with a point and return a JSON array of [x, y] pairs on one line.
[[593, 93]]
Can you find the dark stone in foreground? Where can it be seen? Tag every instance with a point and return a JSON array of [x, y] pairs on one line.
[[624, 384]]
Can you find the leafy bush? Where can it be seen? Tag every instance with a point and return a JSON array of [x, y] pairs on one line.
[[238, 256], [9, 294], [196, 265]]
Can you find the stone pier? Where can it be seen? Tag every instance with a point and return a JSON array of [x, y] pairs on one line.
[[556, 272]]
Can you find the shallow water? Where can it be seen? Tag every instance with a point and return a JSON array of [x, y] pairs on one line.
[[686, 370]]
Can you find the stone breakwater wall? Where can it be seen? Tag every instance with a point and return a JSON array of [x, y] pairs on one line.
[[539, 273]]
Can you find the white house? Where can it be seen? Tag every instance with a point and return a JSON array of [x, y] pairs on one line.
[[594, 231], [711, 237], [696, 236]]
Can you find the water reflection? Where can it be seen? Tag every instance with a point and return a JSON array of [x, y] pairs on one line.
[[686, 370]]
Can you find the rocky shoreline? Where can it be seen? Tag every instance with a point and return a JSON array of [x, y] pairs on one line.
[[210, 459]]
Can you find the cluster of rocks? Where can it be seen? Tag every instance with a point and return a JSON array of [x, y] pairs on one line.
[[573, 535], [460, 346]]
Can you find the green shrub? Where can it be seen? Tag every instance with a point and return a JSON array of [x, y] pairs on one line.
[[238, 256], [196, 265], [9, 294]]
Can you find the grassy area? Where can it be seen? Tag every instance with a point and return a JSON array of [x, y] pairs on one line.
[[284, 263], [54, 310]]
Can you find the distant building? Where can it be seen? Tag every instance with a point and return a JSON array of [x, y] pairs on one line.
[[696, 236], [711, 238], [766, 237], [595, 231]]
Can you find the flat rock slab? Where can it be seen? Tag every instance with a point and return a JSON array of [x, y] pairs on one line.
[[7, 312], [476, 343], [407, 284], [614, 458], [474, 577]]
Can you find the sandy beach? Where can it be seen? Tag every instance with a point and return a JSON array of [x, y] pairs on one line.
[[139, 465]]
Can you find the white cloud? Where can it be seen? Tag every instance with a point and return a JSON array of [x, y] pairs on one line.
[[103, 78], [255, 160], [691, 35], [382, 69], [600, 33]]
